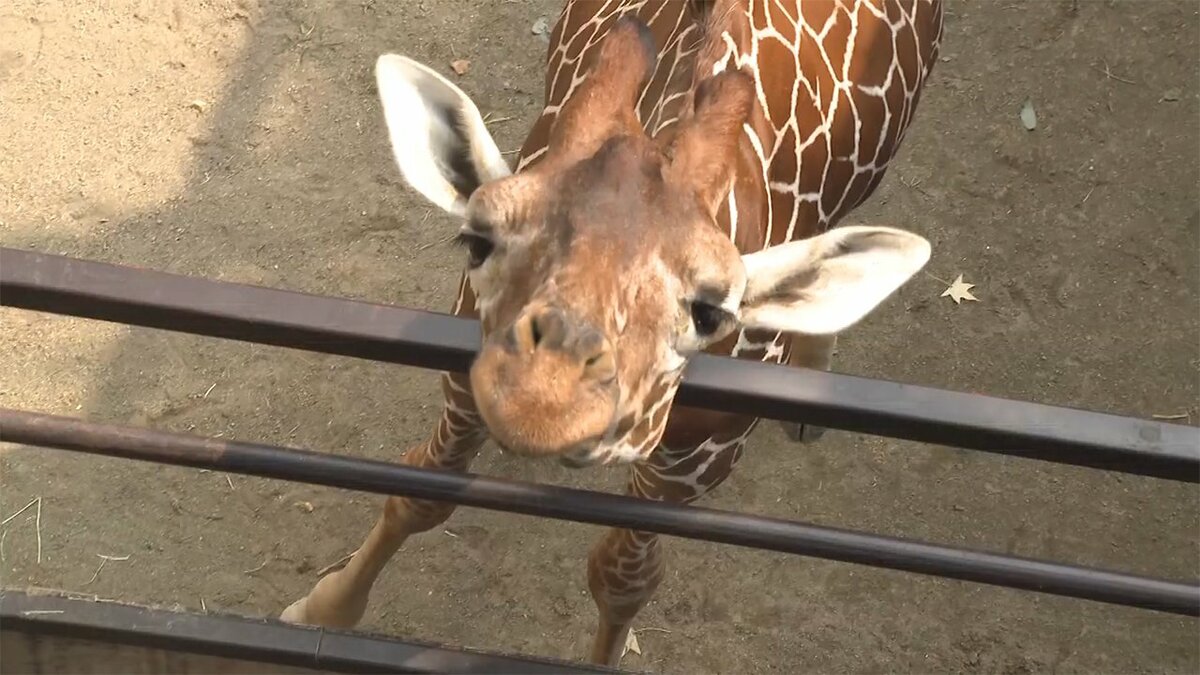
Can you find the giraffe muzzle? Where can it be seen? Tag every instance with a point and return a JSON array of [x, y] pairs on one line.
[[547, 385]]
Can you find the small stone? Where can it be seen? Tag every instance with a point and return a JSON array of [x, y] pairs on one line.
[[1171, 95], [541, 26]]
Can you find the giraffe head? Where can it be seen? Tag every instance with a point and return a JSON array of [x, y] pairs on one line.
[[599, 270]]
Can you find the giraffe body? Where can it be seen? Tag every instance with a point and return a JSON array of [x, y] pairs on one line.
[[802, 105]]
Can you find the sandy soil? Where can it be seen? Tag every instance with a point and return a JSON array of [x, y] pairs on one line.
[[242, 140]]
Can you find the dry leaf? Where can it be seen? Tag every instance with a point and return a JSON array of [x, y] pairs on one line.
[[1028, 116], [460, 66], [959, 291], [631, 644]]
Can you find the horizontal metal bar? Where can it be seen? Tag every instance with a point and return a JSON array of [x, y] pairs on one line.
[[600, 509], [391, 334], [231, 637]]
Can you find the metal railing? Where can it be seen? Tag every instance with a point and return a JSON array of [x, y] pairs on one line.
[[66, 630], [397, 335]]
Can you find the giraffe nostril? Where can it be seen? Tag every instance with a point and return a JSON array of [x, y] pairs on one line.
[[535, 331], [601, 366], [541, 328], [549, 327], [524, 333]]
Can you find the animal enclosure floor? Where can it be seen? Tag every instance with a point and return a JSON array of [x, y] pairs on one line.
[[243, 140]]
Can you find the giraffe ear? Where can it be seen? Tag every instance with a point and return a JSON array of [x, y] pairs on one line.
[[827, 283], [438, 137], [704, 153]]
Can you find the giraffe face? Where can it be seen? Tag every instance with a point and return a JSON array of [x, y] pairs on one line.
[[599, 270], [595, 280]]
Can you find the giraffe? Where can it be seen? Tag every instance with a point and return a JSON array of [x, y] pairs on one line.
[[677, 194]]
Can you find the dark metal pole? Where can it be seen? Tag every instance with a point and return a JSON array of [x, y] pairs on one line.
[[431, 340], [78, 621], [601, 509]]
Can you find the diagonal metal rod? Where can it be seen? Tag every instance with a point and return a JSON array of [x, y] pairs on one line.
[[601, 509], [95, 290]]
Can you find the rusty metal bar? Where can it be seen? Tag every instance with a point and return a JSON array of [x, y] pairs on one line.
[[601, 509], [95, 290]]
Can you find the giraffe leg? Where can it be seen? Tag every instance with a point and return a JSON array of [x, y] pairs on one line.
[[816, 352], [340, 598], [625, 567]]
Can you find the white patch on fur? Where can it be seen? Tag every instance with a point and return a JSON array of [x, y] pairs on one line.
[[422, 142], [733, 212], [825, 284], [731, 51]]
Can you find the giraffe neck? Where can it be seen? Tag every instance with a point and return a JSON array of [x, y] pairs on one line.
[[837, 80]]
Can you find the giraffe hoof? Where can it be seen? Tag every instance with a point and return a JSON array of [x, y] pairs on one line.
[[803, 433], [297, 612]]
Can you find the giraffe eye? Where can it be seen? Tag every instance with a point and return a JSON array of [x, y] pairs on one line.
[[478, 248], [707, 318]]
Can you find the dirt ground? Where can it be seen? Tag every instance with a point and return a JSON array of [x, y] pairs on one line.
[[242, 140]]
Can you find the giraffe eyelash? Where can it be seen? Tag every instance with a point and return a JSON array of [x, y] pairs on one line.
[[478, 247]]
